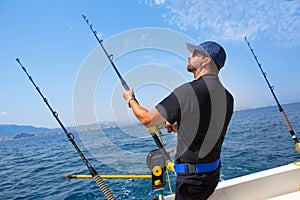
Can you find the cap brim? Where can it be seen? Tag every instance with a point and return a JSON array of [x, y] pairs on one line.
[[192, 47]]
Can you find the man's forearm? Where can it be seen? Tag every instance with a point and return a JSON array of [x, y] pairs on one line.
[[142, 114]]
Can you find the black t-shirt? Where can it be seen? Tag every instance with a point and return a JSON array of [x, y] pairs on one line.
[[202, 109]]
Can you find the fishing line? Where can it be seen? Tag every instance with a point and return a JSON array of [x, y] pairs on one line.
[[103, 187], [284, 116], [125, 86]]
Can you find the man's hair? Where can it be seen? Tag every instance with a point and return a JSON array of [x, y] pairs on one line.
[[212, 63]]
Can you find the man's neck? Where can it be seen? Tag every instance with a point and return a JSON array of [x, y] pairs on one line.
[[204, 71]]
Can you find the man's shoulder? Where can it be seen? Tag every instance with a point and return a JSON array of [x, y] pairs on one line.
[[184, 87]]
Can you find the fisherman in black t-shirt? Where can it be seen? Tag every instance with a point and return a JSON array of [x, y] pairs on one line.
[[199, 111]]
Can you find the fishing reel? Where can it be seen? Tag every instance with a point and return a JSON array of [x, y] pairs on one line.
[[157, 164], [166, 155], [158, 161]]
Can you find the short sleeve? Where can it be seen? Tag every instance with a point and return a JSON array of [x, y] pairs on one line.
[[169, 108]]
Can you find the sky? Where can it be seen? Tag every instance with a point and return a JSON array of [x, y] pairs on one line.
[[147, 39]]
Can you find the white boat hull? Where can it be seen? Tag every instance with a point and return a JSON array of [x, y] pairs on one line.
[[274, 184]]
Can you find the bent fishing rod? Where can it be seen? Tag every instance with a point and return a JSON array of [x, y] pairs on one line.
[[110, 57], [284, 116], [108, 194], [125, 86]]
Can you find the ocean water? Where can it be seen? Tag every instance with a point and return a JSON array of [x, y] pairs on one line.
[[33, 168]]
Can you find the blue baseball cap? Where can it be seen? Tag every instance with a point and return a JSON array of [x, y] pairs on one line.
[[212, 49]]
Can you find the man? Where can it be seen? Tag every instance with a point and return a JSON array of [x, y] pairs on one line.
[[200, 112]]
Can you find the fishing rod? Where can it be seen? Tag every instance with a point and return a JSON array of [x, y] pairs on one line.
[[108, 194], [110, 57], [125, 86], [284, 116]]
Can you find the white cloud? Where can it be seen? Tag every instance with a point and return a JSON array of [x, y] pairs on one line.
[[157, 2], [152, 2], [3, 113], [277, 20]]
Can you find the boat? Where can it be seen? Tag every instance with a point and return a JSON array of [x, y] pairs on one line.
[[280, 183]]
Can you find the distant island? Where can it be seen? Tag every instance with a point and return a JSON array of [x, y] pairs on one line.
[[23, 135], [16, 132]]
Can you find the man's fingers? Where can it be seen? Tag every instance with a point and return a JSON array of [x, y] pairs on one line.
[[169, 128]]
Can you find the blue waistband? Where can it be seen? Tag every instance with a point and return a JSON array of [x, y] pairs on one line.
[[196, 168]]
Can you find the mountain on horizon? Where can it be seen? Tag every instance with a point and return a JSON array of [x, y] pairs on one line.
[[11, 130]]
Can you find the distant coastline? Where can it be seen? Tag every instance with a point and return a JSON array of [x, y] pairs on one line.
[[23, 136], [266, 106], [19, 132]]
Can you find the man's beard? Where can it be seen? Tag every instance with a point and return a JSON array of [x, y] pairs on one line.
[[190, 67]]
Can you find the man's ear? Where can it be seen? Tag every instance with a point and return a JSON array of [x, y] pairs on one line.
[[207, 60]]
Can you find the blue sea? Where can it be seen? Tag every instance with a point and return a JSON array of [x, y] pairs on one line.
[[34, 168]]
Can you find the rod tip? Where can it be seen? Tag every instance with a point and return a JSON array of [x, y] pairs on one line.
[[297, 147]]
